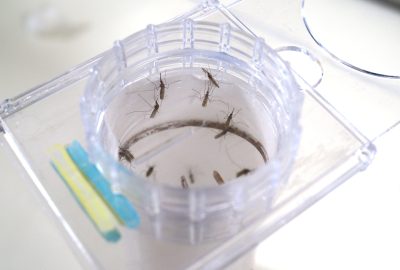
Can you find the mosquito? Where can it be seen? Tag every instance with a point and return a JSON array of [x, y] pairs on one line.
[[155, 107], [206, 98], [227, 124], [210, 77], [149, 171], [184, 182], [218, 178], [242, 172], [191, 177], [162, 85], [162, 88], [229, 118], [125, 154]]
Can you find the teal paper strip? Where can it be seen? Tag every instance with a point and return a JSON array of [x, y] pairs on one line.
[[120, 205]]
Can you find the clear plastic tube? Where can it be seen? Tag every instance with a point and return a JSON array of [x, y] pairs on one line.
[[177, 112]]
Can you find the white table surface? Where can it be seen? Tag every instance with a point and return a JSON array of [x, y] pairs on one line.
[[354, 227]]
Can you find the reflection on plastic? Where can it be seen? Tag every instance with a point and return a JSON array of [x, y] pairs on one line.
[[304, 63]]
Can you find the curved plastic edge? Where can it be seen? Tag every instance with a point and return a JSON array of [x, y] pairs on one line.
[[335, 57]]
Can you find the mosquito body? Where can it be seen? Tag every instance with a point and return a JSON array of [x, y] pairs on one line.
[[184, 182], [242, 172], [162, 88], [149, 171], [155, 109], [206, 97], [191, 177], [218, 178], [210, 77], [229, 118], [227, 125], [125, 154]]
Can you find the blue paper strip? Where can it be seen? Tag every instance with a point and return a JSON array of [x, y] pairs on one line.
[[120, 205]]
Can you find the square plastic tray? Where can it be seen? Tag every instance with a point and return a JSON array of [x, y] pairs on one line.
[[331, 151]]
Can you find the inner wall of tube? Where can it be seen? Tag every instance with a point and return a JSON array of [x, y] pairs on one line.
[[187, 139]]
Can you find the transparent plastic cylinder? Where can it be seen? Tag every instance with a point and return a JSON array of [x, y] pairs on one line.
[[197, 124]]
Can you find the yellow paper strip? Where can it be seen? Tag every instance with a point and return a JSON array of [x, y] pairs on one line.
[[88, 198]]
